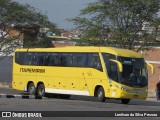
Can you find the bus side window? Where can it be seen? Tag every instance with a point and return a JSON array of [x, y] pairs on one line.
[[112, 68], [28, 58], [66, 59], [54, 59], [47, 59], [19, 57], [40, 59], [94, 61], [33, 59], [80, 60], [63, 60], [106, 58], [113, 73]]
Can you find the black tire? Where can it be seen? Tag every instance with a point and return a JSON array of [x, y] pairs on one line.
[[100, 95], [125, 101], [41, 90], [31, 89]]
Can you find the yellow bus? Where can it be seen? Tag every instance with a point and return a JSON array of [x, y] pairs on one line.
[[103, 72]]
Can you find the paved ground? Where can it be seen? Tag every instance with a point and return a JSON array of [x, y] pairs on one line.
[[75, 103], [5, 89]]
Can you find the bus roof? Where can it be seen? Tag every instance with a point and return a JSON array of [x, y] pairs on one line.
[[111, 50]]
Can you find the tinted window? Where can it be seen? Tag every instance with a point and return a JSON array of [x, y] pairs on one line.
[[19, 57], [94, 61], [54, 59], [66, 59], [80, 60], [29, 59], [40, 58], [106, 58], [59, 59], [112, 69], [47, 59]]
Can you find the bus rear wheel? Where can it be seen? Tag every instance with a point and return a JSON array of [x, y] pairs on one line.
[[31, 89], [125, 101], [41, 90], [100, 95]]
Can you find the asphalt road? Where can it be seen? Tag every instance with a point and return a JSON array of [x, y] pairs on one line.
[[75, 103]]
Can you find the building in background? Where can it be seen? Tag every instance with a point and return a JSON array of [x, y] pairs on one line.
[[153, 57], [66, 38]]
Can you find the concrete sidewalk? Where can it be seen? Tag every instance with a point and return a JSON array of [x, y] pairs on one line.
[[5, 85], [152, 99], [152, 96]]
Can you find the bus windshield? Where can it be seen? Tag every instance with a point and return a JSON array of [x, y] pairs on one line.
[[134, 72]]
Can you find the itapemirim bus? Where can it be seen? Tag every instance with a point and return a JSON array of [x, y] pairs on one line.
[[103, 72]]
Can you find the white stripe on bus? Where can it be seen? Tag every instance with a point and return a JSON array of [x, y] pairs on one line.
[[70, 92]]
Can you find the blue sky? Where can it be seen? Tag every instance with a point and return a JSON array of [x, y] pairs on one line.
[[59, 10]]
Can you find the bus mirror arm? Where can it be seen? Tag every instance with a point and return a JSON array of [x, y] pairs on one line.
[[119, 64], [151, 66]]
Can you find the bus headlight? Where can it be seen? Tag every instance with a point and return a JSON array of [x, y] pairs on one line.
[[122, 88]]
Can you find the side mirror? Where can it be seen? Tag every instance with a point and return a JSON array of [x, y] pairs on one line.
[[151, 66], [119, 64]]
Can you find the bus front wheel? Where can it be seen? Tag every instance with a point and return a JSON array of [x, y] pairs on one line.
[[31, 89], [125, 101], [41, 90], [100, 95]]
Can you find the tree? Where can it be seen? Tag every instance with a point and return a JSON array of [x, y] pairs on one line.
[[13, 14], [120, 23], [42, 42]]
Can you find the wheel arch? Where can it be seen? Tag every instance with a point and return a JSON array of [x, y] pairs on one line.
[[40, 82], [96, 89], [29, 82]]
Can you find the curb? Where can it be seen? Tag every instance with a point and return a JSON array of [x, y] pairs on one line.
[[152, 99], [151, 95], [5, 85], [20, 96]]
